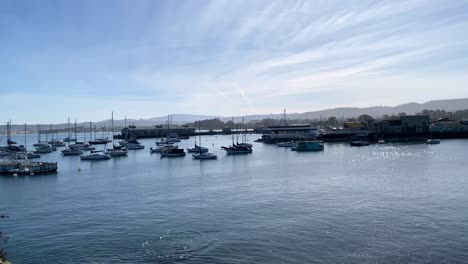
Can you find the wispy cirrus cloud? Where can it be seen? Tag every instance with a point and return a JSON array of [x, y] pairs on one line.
[[233, 57]]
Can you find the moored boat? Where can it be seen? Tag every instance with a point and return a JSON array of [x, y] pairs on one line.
[[288, 144], [237, 149], [204, 155], [95, 156], [197, 149], [172, 152], [72, 151], [433, 141], [359, 143], [313, 145]]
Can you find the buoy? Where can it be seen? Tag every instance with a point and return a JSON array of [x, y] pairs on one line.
[[14, 174], [79, 169]]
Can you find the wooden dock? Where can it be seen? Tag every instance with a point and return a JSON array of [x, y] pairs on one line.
[[27, 167]]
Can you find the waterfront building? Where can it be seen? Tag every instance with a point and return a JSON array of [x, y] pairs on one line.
[[409, 124], [273, 134], [156, 131]]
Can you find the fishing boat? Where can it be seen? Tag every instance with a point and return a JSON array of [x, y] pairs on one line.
[[359, 143], [172, 152], [288, 144], [115, 151], [95, 156], [313, 145], [433, 141]]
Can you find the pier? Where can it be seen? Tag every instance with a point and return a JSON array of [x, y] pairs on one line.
[[27, 168]]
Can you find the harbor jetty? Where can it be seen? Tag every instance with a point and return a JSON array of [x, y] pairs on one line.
[[27, 167]]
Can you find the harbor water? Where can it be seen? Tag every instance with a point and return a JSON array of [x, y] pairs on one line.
[[389, 203]]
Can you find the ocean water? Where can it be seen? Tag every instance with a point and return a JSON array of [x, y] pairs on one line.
[[375, 204]]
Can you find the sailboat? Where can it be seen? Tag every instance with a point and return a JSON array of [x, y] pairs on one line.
[[55, 142], [115, 151], [131, 143], [85, 146], [197, 148], [29, 154], [70, 151], [238, 148], [203, 152], [42, 146]]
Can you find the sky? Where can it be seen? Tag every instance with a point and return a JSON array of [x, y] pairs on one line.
[[141, 59]]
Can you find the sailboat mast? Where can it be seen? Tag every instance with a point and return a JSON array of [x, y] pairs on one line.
[[38, 133], [112, 125], [25, 145], [232, 131], [8, 132], [76, 136], [90, 132], [69, 133]]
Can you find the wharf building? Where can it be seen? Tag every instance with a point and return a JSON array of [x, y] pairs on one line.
[[155, 131]]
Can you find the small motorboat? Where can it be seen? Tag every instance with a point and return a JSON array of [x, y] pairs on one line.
[[44, 149], [359, 143], [117, 152], [172, 152], [95, 156], [159, 149], [433, 141], [308, 146], [204, 155], [381, 141], [72, 151], [286, 144]]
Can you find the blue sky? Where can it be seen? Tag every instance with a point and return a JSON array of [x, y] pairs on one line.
[[142, 59]]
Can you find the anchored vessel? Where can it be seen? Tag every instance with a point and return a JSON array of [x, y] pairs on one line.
[[95, 156], [359, 143], [433, 141], [200, 152], [308, 146], [238, 149], [115, 151], [172, 152], [288, 144]]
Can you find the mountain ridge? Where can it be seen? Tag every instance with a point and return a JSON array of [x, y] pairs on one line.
[[339, 112]]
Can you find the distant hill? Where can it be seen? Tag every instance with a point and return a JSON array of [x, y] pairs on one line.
[[375, 111], [347, 112]]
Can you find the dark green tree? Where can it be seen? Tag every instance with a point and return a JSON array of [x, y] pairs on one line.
[[332, 121]]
